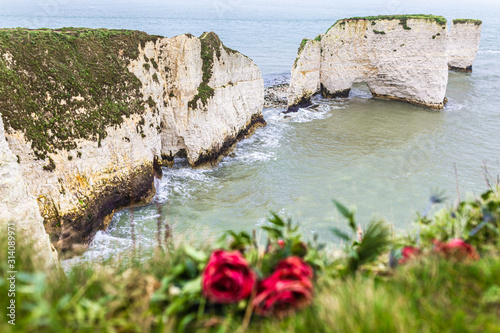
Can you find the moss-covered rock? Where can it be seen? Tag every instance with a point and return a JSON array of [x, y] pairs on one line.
[[57, 86]]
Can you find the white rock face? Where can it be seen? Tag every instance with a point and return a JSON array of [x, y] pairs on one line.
[[203, 131], [19, 209], [305, 79], [90, 182], [398, 59], [464, 44], [94, 183]]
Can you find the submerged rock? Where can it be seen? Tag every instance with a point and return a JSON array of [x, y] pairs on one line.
[[93, 114], [402, 57]]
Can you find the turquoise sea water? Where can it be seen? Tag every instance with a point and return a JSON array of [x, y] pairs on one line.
[[384, 157]]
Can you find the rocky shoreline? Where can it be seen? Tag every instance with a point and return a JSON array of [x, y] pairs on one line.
[[275, 96]]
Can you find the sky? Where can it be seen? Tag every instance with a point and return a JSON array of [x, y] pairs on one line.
[[201, 9]]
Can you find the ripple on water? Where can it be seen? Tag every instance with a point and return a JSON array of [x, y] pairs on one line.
[[179, 181], [309, 114], [488, 52]]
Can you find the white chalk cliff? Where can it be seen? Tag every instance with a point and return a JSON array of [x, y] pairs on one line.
[[401, 57], [19, 210], [199, 99], [305, 79], [200, 131]]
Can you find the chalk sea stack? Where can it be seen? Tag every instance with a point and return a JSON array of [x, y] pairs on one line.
[[465, 35], [404, 57]]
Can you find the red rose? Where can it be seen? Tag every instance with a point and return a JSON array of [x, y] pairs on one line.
[[281, 243], [294, 268], [227, 278], [457, 249], [287, 289], [408, 253]]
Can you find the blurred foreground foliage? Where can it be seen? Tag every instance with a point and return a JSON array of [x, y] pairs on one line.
[[355, 291]]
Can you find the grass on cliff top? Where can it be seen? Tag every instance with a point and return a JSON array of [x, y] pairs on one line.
[[402, 19], [47, 76], [463, 21]]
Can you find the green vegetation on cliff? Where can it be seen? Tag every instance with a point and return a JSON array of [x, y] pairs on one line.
[[211, 47], [403, 19], [302, 46], [463, 21], [57, 86]]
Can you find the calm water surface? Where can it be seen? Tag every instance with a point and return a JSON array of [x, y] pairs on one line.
[[384, 157]]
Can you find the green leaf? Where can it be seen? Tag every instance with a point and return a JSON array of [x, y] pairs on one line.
[[340, 234], [158, 297], [492, 228], [240, 240], [193, 286], [375, 241], [273, 232], [242, 237], [63, 301], [492, 295], [346, 212], [194, 254], [177, 305], [185, 321], [276, 220]]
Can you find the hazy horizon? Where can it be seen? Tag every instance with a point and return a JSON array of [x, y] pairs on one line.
[[236, 9]]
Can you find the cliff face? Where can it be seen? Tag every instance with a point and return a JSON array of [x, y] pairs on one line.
[[395, 62], [305, 79], [399, 57], [205, 103], [92, 115], [465, 36], [20, 210]]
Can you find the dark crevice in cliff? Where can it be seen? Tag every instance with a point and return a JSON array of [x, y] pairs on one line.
[[468, 69], [337, 94]]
